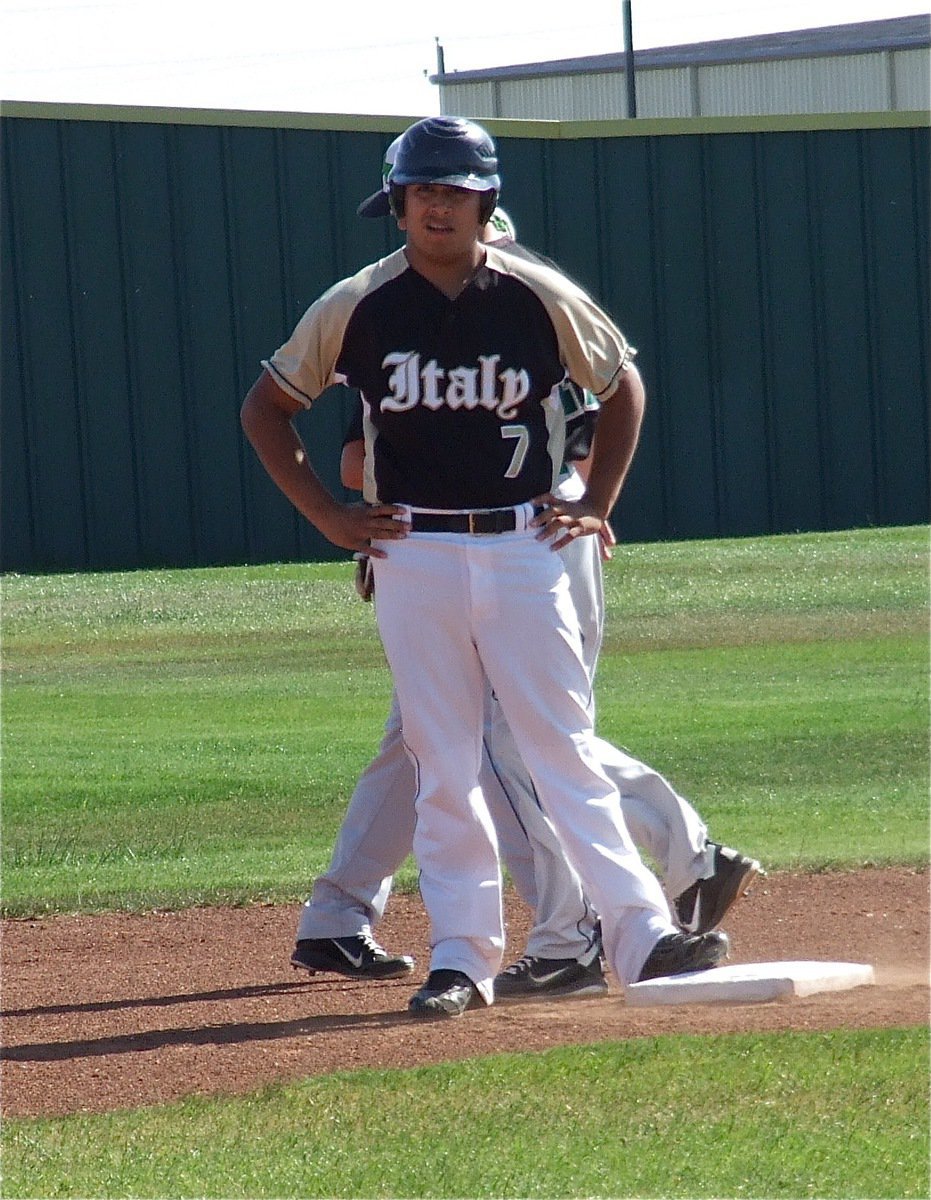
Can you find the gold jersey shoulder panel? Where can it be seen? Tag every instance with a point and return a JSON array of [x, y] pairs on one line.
[[593, 349], [305, 365]]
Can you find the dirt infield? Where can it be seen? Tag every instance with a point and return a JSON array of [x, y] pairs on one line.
[[116, 1011]]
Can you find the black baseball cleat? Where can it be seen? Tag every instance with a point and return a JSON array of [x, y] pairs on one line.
[[358, 956], [550, 978], [702, 906], [445, 994], [679, 953]]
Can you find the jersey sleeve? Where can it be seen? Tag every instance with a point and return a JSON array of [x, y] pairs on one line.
[[592, 348], [305, 365]]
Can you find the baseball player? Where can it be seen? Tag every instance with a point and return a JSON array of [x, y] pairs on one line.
[[562, 953], [458, 351]]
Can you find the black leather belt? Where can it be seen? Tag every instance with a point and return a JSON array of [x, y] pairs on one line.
[[491, 520]]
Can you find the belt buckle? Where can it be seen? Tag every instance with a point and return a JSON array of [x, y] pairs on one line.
[[472, 528]]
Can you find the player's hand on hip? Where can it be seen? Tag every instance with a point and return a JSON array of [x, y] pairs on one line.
[[562, 521], [356, 526], [607, 541]]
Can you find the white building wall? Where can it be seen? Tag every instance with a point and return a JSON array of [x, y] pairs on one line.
[[911, 75], [545, 98], [841, 84], [663, 93], [602, 95], [468, 99], [876, 82]]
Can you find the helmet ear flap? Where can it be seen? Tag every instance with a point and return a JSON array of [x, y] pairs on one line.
[[396, 199], [487, 205]]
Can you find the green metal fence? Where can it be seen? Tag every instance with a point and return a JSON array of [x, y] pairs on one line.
[[774, 276]]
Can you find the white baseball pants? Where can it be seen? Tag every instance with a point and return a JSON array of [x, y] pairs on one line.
[[376, 834], [451, 609]]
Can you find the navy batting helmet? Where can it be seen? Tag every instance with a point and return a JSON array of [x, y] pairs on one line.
[[447, 150]]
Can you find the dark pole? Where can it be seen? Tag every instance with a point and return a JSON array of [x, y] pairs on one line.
[[440, 58], [629, 61]]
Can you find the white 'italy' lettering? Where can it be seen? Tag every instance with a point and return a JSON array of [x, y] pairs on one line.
[[404, 382], [411, 384], [432, 376], [462, 391], [516, 387]]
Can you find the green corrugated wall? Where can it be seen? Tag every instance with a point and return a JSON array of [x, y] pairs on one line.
[[774, 277]]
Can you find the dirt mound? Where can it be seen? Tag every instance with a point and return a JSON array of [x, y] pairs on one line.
[[118, 1011]]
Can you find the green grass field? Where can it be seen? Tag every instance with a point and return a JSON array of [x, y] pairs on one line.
[[174, 738], [807, 1115]]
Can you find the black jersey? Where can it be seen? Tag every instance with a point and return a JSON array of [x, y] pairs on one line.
[[461, 404], [580, 409]]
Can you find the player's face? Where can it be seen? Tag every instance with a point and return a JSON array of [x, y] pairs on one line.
[[440, 220]]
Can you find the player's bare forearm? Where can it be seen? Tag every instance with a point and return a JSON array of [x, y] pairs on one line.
[[267, 419], [615, 441]]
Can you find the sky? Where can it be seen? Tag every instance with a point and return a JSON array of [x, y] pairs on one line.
[[345, 56]]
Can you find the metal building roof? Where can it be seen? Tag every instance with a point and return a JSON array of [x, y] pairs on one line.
[[893, 33]]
